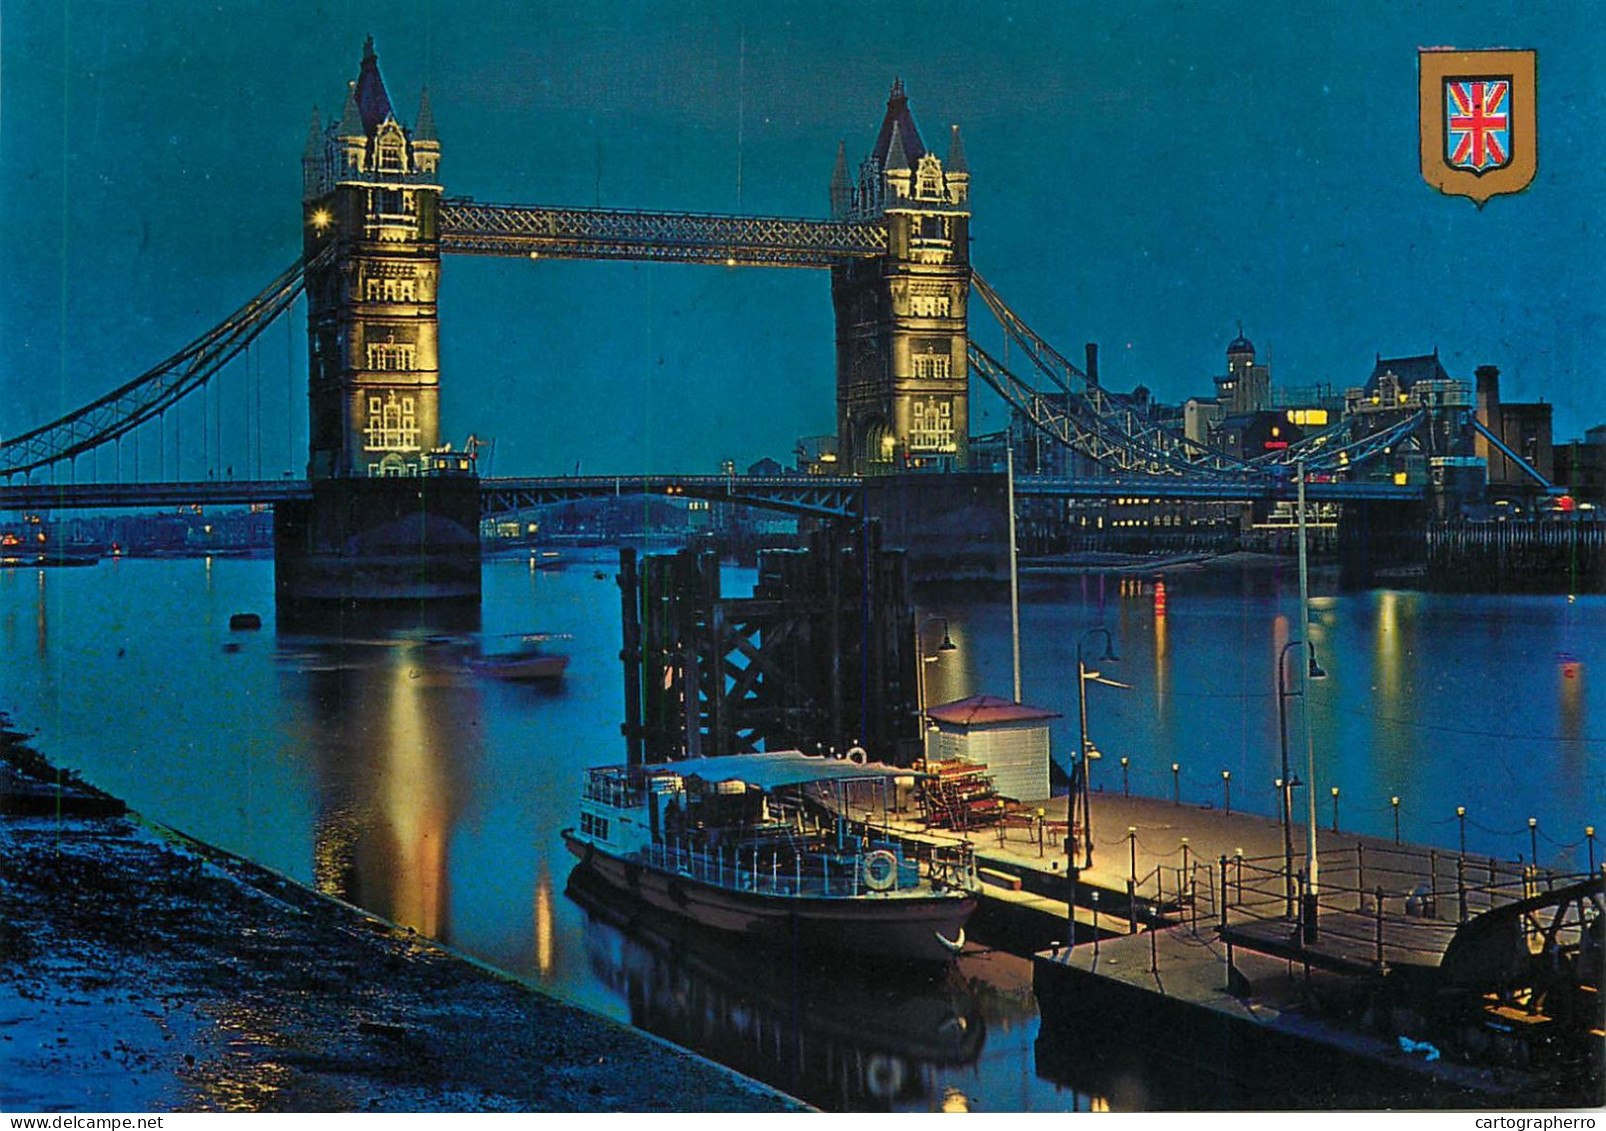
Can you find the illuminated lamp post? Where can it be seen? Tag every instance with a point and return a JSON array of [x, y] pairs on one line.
[[922, 660], [1287, 782], [1082, 794]]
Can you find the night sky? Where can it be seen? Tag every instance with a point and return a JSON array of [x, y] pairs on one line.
[[1143, 176]]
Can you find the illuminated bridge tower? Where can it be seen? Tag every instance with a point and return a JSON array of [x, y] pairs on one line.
[[371, 189], [392, 518], [902, 370]]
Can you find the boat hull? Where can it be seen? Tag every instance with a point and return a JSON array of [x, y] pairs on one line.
[[871, 927], [522, 669]]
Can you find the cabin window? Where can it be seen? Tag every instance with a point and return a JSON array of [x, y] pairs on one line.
[[593, 825]]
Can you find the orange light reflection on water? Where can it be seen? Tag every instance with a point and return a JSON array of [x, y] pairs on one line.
[[545, 935], [411, 801]]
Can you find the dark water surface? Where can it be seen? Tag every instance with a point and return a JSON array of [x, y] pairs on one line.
[[378, 766]]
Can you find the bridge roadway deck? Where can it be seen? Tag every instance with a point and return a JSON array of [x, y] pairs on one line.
[[835, 495], [1176, 887]]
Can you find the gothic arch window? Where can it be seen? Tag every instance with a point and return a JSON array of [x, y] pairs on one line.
[[390, 150], [880, 446]]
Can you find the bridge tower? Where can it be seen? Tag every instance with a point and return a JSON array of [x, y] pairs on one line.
[[902, 369], [393, 518], [371, 189]]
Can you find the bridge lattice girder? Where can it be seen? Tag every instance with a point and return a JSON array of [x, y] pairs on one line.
[[157, 389], [1326, 450], [472, 228], [820, 496], [1110, 429], [1107, 427]]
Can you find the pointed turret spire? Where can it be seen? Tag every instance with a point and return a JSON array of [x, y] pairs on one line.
[[956, 154], [898, 115], [372, 99], [424, 129], [350, 118], [841, 187], [897, 159]]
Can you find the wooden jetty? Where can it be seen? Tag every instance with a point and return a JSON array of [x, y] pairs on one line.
[[1427, 978]]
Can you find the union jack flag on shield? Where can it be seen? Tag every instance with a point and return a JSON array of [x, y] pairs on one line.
[[1477, 123], [1477, 119]]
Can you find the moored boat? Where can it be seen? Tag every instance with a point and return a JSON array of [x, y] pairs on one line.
[[759, 845], [521, 666]]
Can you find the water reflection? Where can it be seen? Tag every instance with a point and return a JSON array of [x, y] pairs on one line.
[[41, 635], [1162, 656], [396, 720], [831, 1035], [544, 932]]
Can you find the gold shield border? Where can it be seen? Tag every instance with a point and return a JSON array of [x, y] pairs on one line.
[[1436, 65]]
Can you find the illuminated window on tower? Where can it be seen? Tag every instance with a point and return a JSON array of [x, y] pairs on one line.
[[933, 365], [390, 357], [392, 424], [932, 425]]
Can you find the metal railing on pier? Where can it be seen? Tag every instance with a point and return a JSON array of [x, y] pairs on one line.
[[1382, 906]]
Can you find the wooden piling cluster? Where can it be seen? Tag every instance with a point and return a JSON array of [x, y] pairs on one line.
[[819, 657], [1517, 557]]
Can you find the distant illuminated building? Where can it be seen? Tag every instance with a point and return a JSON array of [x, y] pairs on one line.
[[1524, 428]]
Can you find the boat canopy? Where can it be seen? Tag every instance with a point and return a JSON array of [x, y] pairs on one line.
[[778, 768]]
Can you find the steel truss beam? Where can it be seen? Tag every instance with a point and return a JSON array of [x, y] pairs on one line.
[[1105, 426], [833, 497], [469, 227], [213, 493], [157, 389]]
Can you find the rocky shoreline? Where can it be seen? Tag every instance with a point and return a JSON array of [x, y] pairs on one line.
[[143, 971]]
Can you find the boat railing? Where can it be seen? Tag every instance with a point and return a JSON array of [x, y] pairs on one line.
[[611, 788], [953, 866], [788, 870]]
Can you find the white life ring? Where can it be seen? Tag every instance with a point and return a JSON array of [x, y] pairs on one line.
[[858, 755], [879, 870]]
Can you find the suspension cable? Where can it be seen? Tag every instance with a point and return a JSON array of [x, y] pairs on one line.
[[148, 395]]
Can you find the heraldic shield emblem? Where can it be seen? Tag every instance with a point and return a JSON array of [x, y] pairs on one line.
[[1477, 121]]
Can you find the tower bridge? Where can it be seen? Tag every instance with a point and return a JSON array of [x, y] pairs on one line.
[[376, 223]]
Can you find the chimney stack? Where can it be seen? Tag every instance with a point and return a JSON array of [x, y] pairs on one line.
[[1488, 396]]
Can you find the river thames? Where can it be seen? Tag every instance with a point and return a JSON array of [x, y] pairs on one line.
[[379, 767]]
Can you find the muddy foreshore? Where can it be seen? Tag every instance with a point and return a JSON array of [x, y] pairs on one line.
[[143, 971]]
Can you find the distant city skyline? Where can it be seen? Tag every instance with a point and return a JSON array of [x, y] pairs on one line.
[[1142, 176]]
